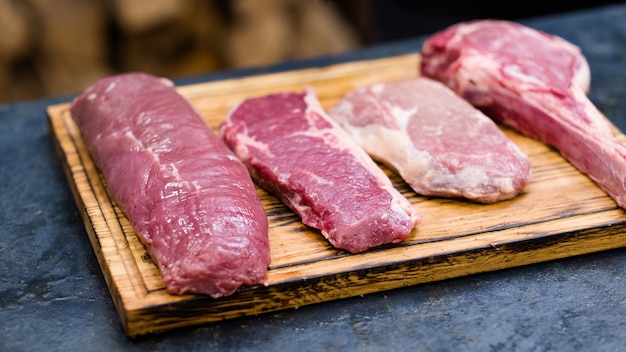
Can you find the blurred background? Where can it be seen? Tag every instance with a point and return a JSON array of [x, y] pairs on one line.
[[58, 47]]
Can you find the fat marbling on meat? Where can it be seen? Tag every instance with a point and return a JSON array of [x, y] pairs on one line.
[[295, 151], [190, 200], [439, 143], [534, 82]]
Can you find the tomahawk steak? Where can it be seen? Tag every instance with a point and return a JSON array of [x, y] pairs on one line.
[[534, 82]]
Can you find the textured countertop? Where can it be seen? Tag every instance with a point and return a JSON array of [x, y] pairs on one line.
[[53, 295]]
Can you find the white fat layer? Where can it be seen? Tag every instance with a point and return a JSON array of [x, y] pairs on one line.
[[377, 88], [245, 142], [167, 82], [110, 87]]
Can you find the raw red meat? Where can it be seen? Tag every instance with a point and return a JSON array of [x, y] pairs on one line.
[[295, 151], [439, 143], [190, 200], [534, 82]]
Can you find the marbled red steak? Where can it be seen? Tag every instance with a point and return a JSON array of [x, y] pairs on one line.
[[534, 82], [295, 151], [439, 143], [188, 197]]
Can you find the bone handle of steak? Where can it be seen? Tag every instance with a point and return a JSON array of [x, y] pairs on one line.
[[599, 155], [604, 161], [535, 83], [575, 127]]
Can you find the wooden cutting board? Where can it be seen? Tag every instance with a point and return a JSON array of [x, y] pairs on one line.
[[561, 213]]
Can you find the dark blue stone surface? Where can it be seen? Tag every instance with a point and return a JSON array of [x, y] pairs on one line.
[[53, 295]]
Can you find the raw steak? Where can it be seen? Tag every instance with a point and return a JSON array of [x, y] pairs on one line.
[[534, 82], [295, 151], [439, 143], [190, 200]]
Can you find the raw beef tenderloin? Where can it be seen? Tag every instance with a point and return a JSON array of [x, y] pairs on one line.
[[295, 151], [190, 200], [439, 143], [534, 82]]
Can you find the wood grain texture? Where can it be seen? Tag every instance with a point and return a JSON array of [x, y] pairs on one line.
[[561, 213]]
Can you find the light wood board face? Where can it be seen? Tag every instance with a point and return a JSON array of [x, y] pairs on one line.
[[561, 213]]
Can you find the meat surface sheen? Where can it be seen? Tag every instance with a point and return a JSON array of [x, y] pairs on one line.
[[439, 143], [295, 151], [190, 200], [534, 82]]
